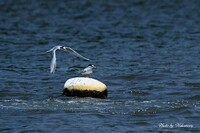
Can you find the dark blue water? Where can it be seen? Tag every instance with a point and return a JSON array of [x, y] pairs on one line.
[[147, 52]]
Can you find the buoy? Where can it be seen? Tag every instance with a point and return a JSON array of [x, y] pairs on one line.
[[85, 87]]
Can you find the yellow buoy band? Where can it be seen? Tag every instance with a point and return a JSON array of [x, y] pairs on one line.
[[85, 87]]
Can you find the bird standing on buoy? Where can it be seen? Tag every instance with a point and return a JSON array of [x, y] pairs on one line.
[[53, 61], [88, 70]]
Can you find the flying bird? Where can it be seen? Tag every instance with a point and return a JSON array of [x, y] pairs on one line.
[[53, 61], [88, 70]]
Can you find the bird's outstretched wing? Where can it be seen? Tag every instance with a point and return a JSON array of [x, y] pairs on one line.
[[53, 63], [75, 53], [54, 48], [50, 50]]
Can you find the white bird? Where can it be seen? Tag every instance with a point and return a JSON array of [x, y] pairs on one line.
[[88, 70], [53, 61]]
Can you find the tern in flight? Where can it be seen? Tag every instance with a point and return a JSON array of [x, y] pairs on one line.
[[53, 61], [88, 70]]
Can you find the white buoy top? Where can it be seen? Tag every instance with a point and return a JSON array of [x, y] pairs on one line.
[[84, 83]]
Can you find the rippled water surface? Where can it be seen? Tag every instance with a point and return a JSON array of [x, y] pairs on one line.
[[147, 52]]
